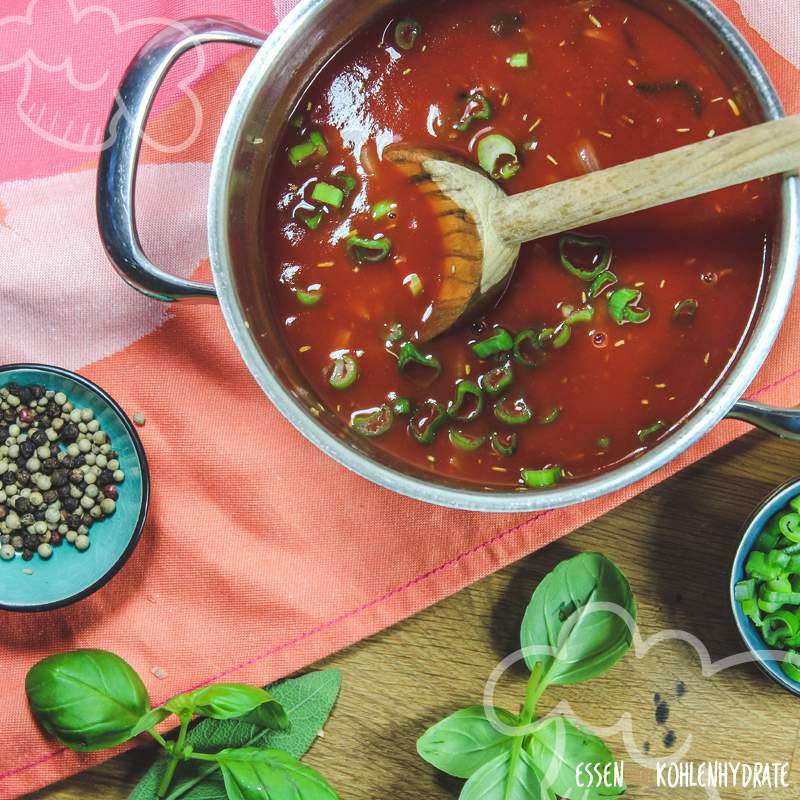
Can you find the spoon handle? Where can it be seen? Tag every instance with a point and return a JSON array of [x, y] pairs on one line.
[[755, 152]]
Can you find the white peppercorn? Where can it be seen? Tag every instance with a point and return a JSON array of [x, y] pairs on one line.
[[45, 550], [82, 542]]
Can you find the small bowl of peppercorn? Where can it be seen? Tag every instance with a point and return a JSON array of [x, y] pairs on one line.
[[74, 487]]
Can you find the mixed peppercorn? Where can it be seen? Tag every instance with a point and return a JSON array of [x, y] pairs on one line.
[[59, 473]]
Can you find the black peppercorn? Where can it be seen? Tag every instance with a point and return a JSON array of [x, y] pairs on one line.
[[8, 477], [25, 395], [70, 432], [37, 391], [23, 477], [76, 477], [29, 519], [22, 506], [49, 465], [50, 496], [27, 449], [38, 438], [59, 478], [74, 520], [105, 477], [30, 541], [27, 555], [9, 415], [68, 462], [70, 504], [63, 491]]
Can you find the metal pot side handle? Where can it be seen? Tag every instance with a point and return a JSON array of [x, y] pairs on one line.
[[783, 422], [116, 173]]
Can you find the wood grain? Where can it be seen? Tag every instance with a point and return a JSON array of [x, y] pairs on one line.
[[771, 148], [675, 542]]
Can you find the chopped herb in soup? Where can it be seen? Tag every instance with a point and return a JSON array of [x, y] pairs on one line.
[[607, 338]]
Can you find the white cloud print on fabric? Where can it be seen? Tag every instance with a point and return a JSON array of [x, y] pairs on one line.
[[57, 37], [778, 22]]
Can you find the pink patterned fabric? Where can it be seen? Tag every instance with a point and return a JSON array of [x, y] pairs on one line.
[[276, 579]]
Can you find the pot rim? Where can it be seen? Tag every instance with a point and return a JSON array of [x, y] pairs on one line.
[[722, 399]]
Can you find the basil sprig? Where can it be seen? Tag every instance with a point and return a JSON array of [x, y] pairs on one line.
[[93, 700], [577, 626]]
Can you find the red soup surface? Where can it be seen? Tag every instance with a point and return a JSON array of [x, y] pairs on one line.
[[575, 86]]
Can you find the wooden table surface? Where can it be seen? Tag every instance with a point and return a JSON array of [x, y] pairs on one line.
[[675, 543]]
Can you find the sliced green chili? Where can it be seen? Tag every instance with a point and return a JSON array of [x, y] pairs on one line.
[[394, 334], [551, 416], [585, 314], [667, 86], [685, 311], [604, 442], [789, 526], [310, 296], [426, 421], [501, 341], [779, 626], [605, 280], [745, 590], [468, 403], [645, 433], [348, 182], [478, 107], [315, 145], [414, 283], [373, 421], [343, 371], [497, 380], [313, 221], [383, 209], [555, 337], [329, 195], [409, 356], [297, 121], [369, 251], [464, 441], [623, 306], [573, 250], [504, 444], [791, 666], [528, 349], [497, 155], [406, 32], [542, 478], [513, 412], [519, 60]]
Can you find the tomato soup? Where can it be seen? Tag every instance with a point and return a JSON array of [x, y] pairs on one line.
[[606, 339]]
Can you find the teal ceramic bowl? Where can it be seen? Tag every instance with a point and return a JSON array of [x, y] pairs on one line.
[[70, 576]]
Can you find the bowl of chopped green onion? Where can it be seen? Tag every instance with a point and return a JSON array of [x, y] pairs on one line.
[[765, 586]]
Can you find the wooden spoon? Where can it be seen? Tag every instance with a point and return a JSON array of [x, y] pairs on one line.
[[483, 228]]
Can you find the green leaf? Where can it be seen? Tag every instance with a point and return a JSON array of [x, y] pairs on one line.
[[150, 720], [558, 747], [255, 774], [230, 701], [492, 781], [579, 641], [307, 701], [87, 699], [464, 742]]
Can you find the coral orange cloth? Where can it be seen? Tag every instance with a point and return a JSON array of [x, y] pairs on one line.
[[240, 574]]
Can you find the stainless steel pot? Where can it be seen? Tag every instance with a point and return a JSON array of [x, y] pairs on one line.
[[254, 122]]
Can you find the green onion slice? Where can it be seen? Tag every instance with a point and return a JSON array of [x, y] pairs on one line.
[[310, 296], [645, 433], [789, 526], [327, 194], [464, 441], [468, 403], [791, 666], [410, 356], [555, 337], [406, 32], [504, 444], [426, 421], [623, 306], [401, 406], [519, 60], [373, 421], [497, 155], [745, 590], [528, 349], [779, 626], [369, 251], [585, 314], [605, 280], [394, 334], [478, 107], [313, 221], [501, 341], [551, 416], [513, 412], [542, 478], [343, 371], [604, 442], [497, 380], [383, 209], [586, 257], [314, 146], [685, 310]]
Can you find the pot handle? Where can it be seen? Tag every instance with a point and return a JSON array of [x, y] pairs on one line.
[[116, 173], [783, 422]]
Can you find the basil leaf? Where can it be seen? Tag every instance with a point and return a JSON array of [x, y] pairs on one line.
[[464, 742], [230, 701], [558, 747], [492, 781], [584, 641], [88, 699], [254, 774], [307, 700]]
